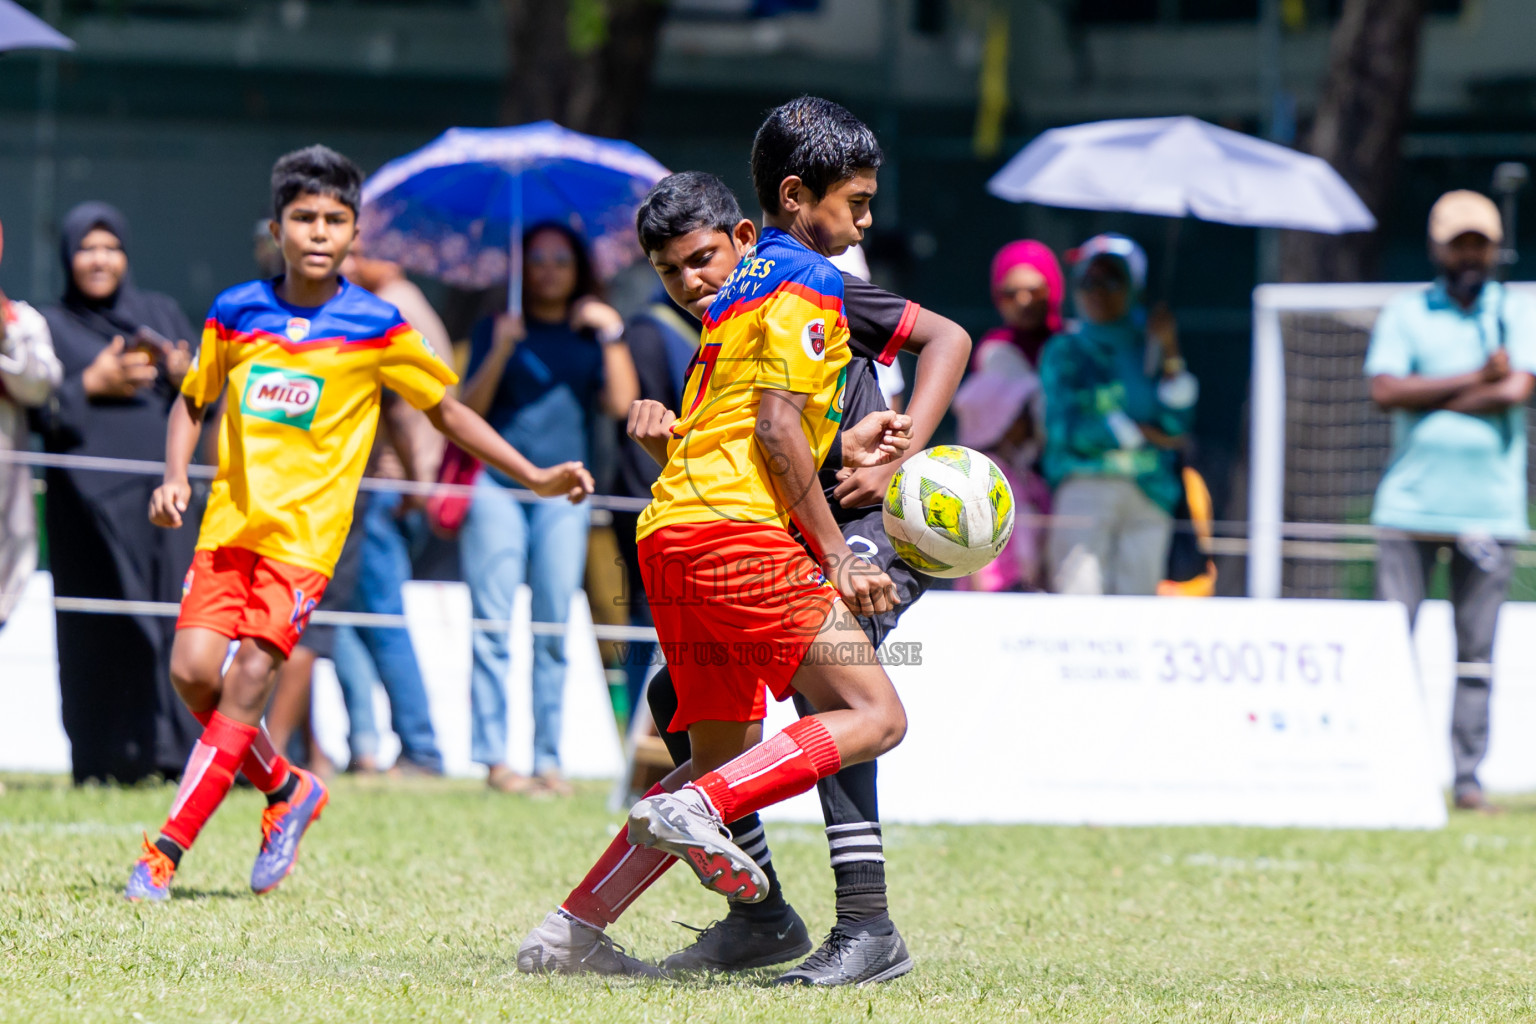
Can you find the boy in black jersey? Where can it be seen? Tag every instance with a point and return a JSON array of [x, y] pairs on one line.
[[693, 232]]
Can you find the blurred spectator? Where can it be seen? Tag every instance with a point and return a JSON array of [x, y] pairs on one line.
[[538, 379], [29, 371], [289, 713], [1454, 364], [1027, 289], [999, 414], [1118, 404], [265, 250], [392, 526], [124, 352]]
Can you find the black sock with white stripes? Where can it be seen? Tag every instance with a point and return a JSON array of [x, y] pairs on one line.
[[858, 863], [748, 834], [850, 805]]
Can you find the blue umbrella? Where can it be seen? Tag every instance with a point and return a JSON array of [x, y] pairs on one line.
[[22, 30], [456, 208]]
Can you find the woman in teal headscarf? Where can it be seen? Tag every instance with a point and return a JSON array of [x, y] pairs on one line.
[[1118, 406]]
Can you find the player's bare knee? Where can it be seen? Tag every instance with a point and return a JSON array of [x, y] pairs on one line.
[[893, 726], [195, 679], [248, 682]]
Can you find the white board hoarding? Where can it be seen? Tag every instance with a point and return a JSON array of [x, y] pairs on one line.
[[1138, 711]]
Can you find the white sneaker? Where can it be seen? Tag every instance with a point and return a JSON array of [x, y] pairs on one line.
[[684, 825], [563, 945]]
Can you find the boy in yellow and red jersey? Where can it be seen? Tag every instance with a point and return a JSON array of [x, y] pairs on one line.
[[304, 357], [739, 605]]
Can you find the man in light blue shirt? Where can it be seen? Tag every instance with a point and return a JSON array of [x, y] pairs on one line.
[[1454, 364]]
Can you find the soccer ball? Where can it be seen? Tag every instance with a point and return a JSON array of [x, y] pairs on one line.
[[948, 511]]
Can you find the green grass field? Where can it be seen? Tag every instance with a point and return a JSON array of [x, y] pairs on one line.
[[411, 898]]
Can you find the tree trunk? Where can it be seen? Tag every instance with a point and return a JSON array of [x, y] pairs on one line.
[[1358, 128], [584, 63]]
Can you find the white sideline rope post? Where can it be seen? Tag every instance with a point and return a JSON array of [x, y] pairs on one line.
[[1266, 488]]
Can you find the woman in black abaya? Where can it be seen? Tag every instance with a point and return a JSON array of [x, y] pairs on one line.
[[124, 352]]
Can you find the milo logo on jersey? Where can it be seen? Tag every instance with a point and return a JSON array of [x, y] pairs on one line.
[[281, 396]]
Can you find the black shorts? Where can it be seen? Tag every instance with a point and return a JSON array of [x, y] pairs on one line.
[[866, 536]]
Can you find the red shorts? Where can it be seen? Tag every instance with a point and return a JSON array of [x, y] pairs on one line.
[[736, 606], [239, 593]]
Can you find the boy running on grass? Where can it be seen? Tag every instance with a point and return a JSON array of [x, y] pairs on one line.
[[304, 356], [762, 407], [693, 233]]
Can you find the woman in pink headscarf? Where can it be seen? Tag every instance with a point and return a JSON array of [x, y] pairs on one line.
[[1027, 288], [998, 412]]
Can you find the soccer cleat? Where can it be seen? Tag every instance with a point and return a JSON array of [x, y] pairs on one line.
[[564, 945], [151, 878], [739, 943], [684, 825], [282, 826], [851, 955]]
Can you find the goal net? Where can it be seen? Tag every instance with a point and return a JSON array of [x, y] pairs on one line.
[[1319, 444]]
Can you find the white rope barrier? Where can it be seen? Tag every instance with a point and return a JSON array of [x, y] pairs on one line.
[[1342, 542], [198, 471], [364, 620]]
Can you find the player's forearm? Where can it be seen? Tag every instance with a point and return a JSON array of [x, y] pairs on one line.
[[1420, 392], [792, 473], [1496, 397], [465, 428], [656, 448], [944, 351], [183, 428]]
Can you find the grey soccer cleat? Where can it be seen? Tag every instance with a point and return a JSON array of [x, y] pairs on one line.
[[563, 945], [684, 825], [851, 955], [739, 943]]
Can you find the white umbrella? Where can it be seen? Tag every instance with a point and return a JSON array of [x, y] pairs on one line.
[[1181, 166]]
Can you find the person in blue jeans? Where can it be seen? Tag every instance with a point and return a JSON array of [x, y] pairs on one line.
[[392, 532], [541, 379], [368, 656]]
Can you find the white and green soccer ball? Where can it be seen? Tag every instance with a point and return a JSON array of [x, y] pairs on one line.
[[948, 511]]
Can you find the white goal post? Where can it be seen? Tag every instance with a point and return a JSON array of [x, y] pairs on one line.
[[1355, 305]]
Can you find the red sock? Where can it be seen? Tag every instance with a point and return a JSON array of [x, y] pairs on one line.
[[263, 765], [620, 875], [777, 769], [210, 772]]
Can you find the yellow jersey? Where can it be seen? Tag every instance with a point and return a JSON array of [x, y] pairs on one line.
[[777, 324], [304, 387]]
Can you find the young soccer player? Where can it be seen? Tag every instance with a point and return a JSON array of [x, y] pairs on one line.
[[304, 356], [762, 406], [693, 233]]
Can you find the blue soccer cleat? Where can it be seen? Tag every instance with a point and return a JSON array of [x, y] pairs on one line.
[[282, 826], [151, 878]]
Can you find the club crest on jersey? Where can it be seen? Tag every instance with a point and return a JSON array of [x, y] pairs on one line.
[[814, 339], [297, 329], [282, 396]]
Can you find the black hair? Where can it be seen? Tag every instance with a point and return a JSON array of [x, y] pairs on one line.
[[586, 277], [682, 203], [815, 140], [315, 170]]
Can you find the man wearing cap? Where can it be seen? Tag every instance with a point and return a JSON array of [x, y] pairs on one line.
[[1454, 364]]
